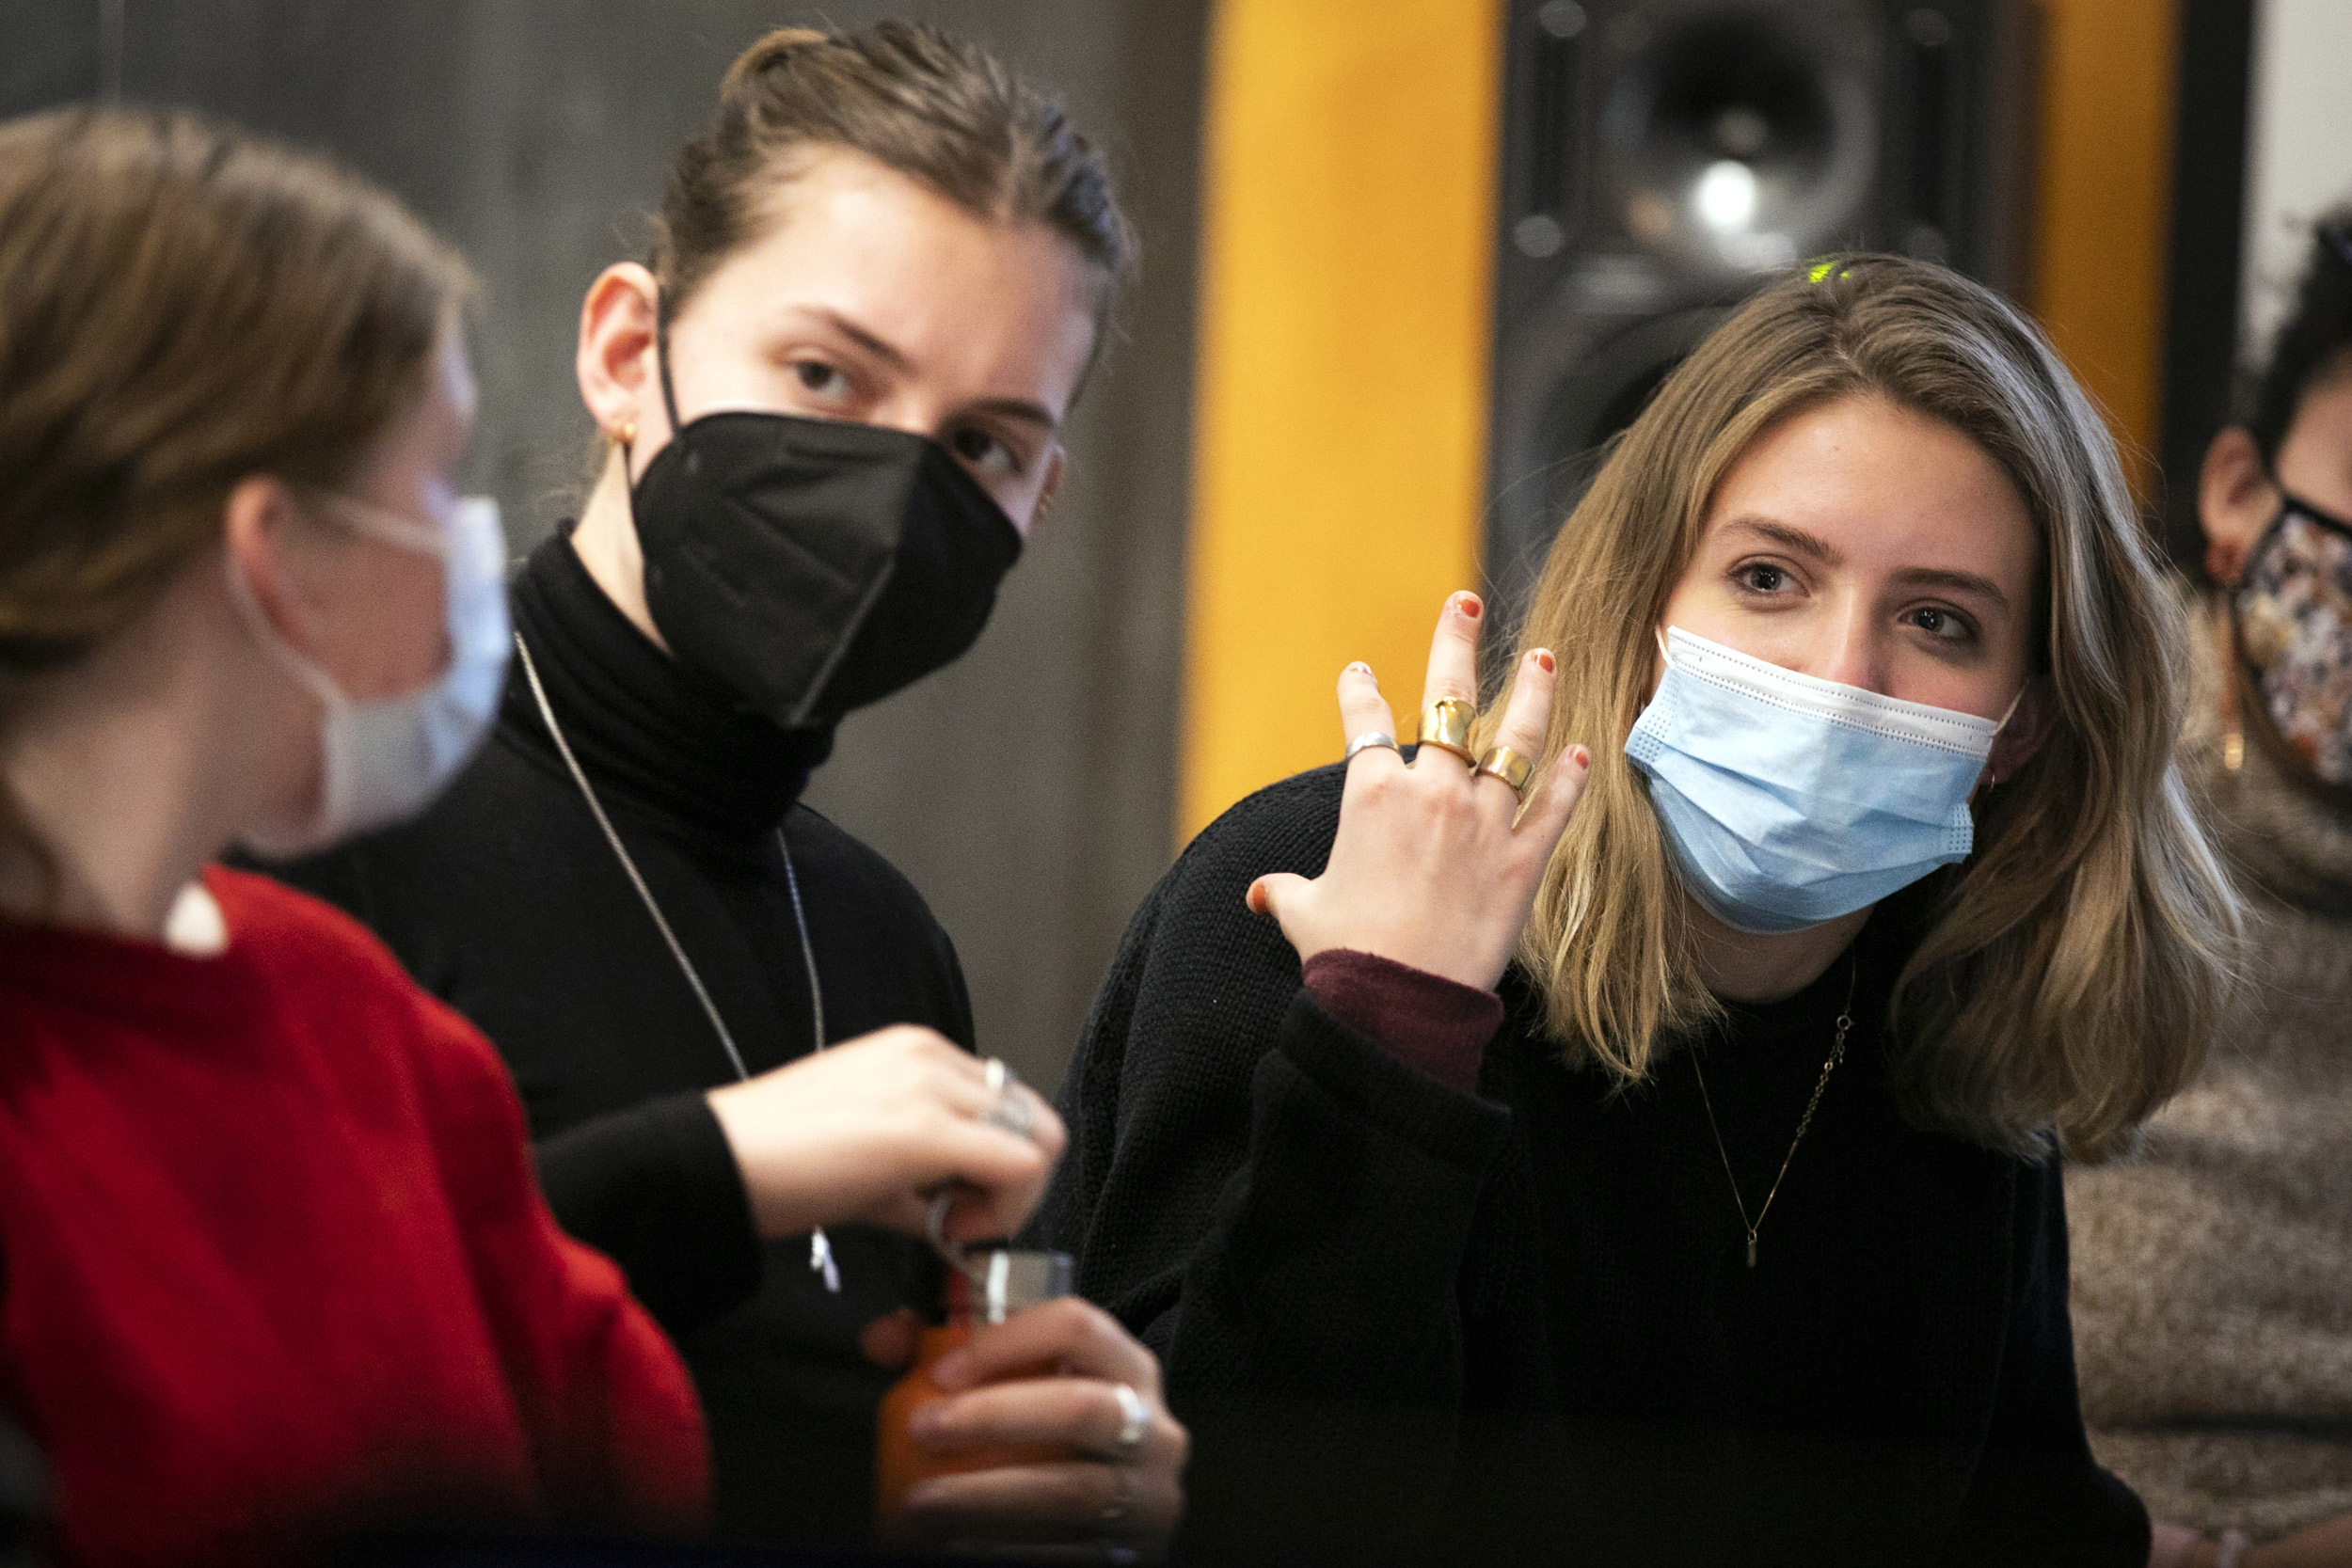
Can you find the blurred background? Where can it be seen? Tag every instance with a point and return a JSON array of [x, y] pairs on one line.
[[1406, 262]]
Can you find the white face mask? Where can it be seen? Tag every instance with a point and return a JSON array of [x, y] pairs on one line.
[[386, 760]]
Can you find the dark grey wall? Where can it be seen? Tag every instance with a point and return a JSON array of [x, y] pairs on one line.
[[1029, 791]]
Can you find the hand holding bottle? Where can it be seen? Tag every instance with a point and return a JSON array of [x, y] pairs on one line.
[[1436, 865], [1039, 1432]]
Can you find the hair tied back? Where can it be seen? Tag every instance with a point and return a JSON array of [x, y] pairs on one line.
[[775, 48]]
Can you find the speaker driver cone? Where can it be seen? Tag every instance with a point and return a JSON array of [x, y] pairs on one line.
[[1735, 145]]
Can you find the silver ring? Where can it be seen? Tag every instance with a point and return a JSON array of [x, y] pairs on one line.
[[1134, 1419], [1009, 1111], [1368, 741]]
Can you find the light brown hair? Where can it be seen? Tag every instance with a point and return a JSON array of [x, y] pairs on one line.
[[933, 108], [183, 306], [2076, 964]]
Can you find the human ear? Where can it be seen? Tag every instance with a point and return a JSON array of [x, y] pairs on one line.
[[258, 530], [619, 374], [2236, 501], [1056, 464], [2029, 726]]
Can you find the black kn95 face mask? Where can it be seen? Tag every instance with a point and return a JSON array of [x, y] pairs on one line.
[[814, 566]]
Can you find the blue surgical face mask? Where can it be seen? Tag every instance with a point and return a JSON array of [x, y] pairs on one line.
[[1789, 800], [386, 760]]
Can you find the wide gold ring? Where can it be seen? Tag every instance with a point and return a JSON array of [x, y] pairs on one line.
[[1508, 765], [1446, 724]]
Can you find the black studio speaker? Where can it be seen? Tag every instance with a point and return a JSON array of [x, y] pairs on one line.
[[1660, 157]]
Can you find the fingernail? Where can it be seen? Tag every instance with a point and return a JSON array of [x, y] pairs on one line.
[[1468, 604], [927, 1425], [1543, 660], [1359, 668], [953, 1369], [1579, 756]]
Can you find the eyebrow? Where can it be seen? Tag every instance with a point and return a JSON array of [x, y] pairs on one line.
[[1022, 409], [1961, 582], [885, 352], [1807, 544], [1816, 548]]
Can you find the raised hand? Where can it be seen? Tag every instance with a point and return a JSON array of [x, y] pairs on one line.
[[1435, 863]]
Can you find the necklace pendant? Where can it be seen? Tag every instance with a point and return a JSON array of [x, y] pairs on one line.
[[1751, 1252]]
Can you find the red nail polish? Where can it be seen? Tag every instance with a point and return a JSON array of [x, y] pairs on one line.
[[1469, 607], [1584, 758], [1544, 662]]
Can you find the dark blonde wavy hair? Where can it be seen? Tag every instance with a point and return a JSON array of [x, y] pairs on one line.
[[2076, 965]]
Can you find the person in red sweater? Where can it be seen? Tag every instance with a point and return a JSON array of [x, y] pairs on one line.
[[273, 1267]]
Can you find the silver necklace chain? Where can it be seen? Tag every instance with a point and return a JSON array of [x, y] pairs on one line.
[[821, 1258], [1837, 1055]]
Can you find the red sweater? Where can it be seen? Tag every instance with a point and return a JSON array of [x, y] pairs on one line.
[[275, 1264]]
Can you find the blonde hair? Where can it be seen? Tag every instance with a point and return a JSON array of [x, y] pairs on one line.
[[2075, 966]]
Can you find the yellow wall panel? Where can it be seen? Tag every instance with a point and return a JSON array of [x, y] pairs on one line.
[[1341, 424], [2105, 204], [1340, 430]]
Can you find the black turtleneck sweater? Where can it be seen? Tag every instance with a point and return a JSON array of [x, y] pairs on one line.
[[1410, 1318], [506, 901]]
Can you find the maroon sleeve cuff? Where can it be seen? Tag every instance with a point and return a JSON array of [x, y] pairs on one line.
[[1426, 1021]]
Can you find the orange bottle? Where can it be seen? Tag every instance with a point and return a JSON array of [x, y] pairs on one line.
[[990, 1287]]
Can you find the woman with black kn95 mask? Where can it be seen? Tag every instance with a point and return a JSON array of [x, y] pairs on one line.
[[1628, 1132], [832, 402]]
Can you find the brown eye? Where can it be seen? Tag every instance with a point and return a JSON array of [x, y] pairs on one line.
[[819, 378], [982, 452], [1763, 579], [1941, 623]]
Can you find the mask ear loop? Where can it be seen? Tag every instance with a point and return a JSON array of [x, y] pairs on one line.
[[1993, 780], [307, 673], [661, 361]]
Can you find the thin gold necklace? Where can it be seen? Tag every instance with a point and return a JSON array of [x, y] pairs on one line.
[[1837, 1055]]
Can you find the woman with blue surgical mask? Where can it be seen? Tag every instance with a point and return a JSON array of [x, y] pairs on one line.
[[1625, 1127], [276, 1266]]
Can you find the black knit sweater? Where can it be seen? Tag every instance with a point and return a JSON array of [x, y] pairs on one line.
[[1408, 1321], [506, 901]]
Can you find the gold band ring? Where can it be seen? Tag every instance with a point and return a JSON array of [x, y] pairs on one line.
[[1446, 724], [1508, 765]]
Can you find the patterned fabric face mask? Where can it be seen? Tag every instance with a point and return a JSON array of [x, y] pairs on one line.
[[2294, 613]]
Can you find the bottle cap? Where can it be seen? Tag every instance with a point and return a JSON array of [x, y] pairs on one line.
[[990, 1284]]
